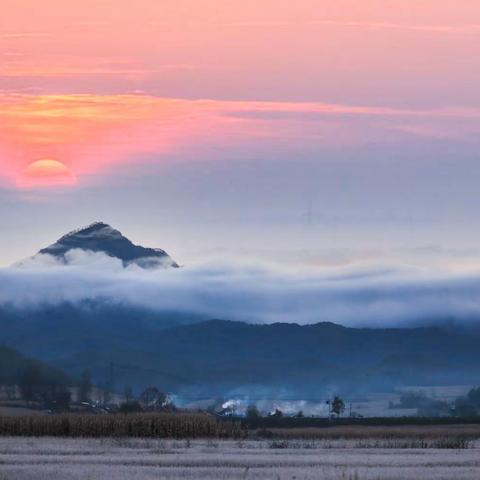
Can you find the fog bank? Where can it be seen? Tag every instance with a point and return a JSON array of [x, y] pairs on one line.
[[367, 295]]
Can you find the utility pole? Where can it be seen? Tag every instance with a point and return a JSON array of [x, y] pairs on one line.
[[111, 380]]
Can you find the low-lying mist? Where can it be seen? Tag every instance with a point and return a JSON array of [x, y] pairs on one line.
[[367, 295]]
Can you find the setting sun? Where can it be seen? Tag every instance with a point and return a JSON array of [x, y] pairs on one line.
[[46, 168], [46, 172]]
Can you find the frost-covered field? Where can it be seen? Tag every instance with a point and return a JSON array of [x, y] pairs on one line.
[[129, 459]]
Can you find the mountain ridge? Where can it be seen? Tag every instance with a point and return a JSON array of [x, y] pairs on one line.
[[221, 355], [102, 238]]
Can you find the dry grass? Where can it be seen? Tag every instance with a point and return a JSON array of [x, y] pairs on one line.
[[363, 432], [410, 443], [163, 425], [192, 426]]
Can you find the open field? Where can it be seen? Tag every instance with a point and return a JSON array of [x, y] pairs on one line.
[[199, 446], [145, 459], [6, 411]]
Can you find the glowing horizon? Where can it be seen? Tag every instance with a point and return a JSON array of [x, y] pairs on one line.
[[89, 133], [244, 113]]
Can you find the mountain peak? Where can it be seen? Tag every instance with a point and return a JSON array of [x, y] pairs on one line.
[[93, 226], [103, 238], [96, 229]]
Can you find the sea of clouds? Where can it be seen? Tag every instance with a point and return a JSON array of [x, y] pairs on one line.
[[363, 295]]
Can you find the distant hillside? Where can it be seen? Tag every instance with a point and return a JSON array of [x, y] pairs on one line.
[[14, 366], [67, 328], [216, 356], [314, 356]]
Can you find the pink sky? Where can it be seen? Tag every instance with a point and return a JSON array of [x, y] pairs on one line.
[[92, 133], [143, 67], [324, 50]]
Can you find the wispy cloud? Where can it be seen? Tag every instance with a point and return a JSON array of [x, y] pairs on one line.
[[26, 67], [21, 35], [441, 29], [360, 24]]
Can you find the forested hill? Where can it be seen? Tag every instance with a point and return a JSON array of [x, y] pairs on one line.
[[218, 356], [16, 369]]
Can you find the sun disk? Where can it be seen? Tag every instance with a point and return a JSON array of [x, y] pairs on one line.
[[45, 173], [47, 168]]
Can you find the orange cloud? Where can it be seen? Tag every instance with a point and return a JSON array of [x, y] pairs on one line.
[[64, 67], [86, 134]]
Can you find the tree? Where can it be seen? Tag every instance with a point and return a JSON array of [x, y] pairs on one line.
[[85, 387], [38, 384], [106, 394], [464, 407], [300, 414], [131, 407], [252, 413], [62, 399], [337, 406], [153, 398], [29, 382], [413, 400], [474, 396], [11, 392], [128, 394], [468, 406], [57, 397]]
